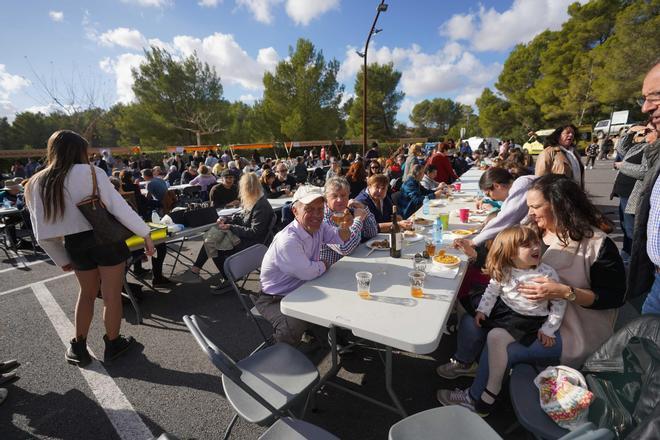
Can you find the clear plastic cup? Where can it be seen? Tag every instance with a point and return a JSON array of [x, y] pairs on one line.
[[417, 278], [364, 284]]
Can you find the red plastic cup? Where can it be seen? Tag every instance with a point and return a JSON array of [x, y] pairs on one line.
[[464, 214], [457, 186]]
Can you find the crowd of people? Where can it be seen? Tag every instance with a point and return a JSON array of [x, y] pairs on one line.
[[544, 280]]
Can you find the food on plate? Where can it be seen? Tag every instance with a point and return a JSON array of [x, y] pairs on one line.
[[380, 244], [462, 232], [409, 234], [446, 259], [422, 221]]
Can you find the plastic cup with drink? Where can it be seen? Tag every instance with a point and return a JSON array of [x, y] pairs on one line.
[[464, 214], [364, 284], [444, 218], [417, 278]]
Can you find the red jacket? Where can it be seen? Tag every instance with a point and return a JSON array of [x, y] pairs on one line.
[[441, 163]]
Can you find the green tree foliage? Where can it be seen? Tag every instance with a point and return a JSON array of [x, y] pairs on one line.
[[176, 101], [383, 101], [301, 99], [433, 118], [494, 114], [623, 60]]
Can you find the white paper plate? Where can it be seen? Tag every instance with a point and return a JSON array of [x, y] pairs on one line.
[[371, 246]]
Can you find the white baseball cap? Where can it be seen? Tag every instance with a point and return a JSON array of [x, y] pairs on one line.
[[307, 194]]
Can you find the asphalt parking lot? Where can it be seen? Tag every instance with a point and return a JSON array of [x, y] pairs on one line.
[[166, 383]]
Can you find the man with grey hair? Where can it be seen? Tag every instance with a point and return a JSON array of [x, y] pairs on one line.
[[294, 258], [340, 210]]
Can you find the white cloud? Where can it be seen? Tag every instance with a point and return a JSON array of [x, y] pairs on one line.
[[209, 3], [121, 67], [405, 109], [248, 99], [148, 3], [469, 95], [123, 37], [488, 29], [10, 84], [261, 9], [7, 110], [231, 62], [56, 15], [304, 11], [458, 27], [448, 70]]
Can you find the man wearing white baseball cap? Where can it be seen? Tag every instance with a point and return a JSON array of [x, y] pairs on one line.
[[294, 258]]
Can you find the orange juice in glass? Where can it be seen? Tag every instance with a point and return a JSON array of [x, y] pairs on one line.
[[417, 283], [430, 247], [364, 284]]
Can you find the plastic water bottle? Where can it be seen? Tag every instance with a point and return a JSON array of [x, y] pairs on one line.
[[6, 204], [437, 233], [155, 218], [426, 207]]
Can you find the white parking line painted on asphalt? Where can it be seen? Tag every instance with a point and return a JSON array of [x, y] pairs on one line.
[[122, 415], [24, 264], [27, 286]]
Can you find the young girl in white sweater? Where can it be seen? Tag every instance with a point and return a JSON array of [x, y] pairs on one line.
[[515, 258]]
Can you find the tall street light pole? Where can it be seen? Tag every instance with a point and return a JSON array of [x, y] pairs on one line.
[[382, 7]]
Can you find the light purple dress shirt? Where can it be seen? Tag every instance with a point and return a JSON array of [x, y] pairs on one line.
[[294, 257]]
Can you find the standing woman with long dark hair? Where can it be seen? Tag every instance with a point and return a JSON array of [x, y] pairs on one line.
[[67, 237]]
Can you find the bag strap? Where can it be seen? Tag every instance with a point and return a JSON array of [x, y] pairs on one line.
[[95, 188]]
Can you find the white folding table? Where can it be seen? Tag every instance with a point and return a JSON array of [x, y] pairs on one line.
[[392, 318]]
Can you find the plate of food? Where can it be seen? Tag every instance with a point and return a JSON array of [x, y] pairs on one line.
[[435, 203], [446, 260], [412, 236], [463, 232], [378, 244], [421, 221]]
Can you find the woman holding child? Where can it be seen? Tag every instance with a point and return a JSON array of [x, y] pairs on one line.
[[591, 281]]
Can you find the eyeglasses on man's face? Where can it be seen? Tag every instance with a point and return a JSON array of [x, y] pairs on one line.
[[653, 98]]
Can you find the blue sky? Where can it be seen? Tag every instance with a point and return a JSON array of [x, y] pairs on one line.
[[83, 50]]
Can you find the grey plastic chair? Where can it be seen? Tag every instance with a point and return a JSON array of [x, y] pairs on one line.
[[445, 422], [264, 386], [287, 428], [240, 265]]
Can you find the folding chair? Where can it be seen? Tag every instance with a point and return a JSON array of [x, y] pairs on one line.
[[271, 230], [239, 266], [264, 386], [445, 422]]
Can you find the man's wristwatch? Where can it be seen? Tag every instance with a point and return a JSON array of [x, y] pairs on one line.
[[571, 294]]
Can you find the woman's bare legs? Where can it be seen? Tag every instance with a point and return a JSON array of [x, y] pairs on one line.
[[89, 288], [112, 279]]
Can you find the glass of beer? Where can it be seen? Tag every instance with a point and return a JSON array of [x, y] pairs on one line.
[[430, 247], [364, 284], [337, 217], [417, 278]]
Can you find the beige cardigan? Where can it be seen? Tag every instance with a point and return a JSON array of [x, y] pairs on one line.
[[583, 330]]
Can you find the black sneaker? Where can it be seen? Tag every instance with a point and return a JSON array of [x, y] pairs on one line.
[[116, 347], [7, 366], [77, 353]]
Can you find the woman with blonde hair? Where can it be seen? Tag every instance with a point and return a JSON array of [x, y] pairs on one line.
[[251, 225], [67, 237]]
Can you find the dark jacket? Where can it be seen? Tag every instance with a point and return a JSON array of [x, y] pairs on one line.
[[383, 216], [253, 225], [641, 265], [270, 193], [412, 197], [628, 364]]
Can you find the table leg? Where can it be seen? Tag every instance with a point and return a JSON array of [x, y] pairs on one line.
[[388, 382], [133, 300], [178, 253]]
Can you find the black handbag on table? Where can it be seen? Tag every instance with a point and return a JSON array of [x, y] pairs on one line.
[[198, 214], [107, 229]]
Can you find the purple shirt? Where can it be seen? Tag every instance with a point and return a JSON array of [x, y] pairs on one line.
[[294, 257]]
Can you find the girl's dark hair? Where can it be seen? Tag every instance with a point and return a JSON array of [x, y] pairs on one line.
[[492, 176], [125, 177], [65, 148], [553, 139], [575, 215]]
